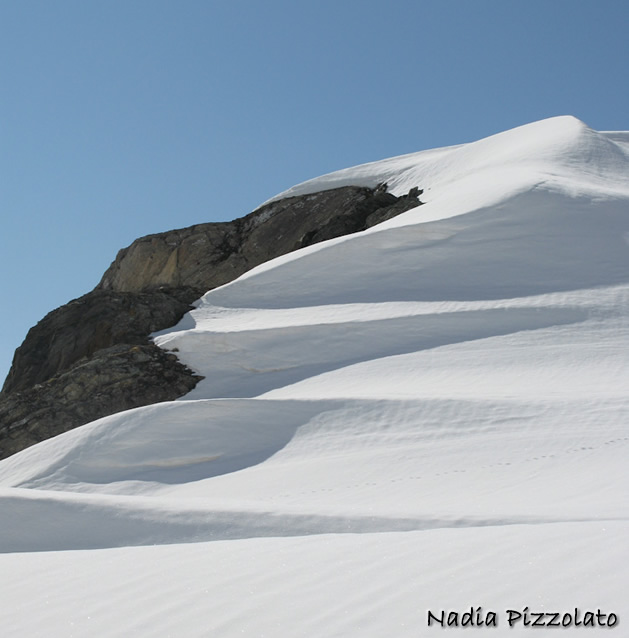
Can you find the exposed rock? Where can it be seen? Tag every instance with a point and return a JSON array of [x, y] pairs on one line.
[[209, 255], [97, 320], [118, 378], [93, 357]]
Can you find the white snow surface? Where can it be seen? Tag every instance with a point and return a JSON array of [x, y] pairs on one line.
[[428, 415]]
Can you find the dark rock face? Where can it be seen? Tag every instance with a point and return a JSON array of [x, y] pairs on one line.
[[210, 255], [91, 323], [92, 357], [117, 378]]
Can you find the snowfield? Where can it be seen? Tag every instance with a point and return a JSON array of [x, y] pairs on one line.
[[428, 416]]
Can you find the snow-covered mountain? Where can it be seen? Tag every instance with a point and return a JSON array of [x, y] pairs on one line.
[[429, 415]]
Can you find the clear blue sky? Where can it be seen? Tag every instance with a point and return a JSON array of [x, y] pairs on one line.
[[121, 118]]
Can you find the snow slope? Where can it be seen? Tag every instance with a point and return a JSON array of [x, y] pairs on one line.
[[428, 415]]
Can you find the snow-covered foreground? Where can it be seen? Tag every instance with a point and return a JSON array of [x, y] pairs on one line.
[[429, 415]]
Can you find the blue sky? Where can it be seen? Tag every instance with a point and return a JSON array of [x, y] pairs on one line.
[[123, 118]]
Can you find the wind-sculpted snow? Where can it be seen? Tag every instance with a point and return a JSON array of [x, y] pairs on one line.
[[561, 150], [429, 414], [97, 522]]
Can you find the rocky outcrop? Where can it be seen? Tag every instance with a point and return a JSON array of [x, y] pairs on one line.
[[93, 322], [209, 255], [117, 378], [93, 356]]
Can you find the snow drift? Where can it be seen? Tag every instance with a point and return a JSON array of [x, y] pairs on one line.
[[427, 415]]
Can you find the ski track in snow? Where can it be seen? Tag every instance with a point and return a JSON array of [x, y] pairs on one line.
[[450, 383]]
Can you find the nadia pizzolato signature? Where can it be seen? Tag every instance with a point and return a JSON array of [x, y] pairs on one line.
[[525, 617]]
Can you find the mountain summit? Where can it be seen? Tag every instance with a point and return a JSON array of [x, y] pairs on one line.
[[414, 415]]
